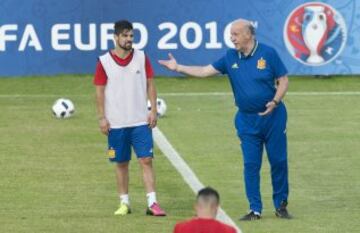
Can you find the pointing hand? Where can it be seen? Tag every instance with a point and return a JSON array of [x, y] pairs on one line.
[[170, 64]]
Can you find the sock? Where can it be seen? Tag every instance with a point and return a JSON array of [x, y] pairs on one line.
[[124, 198], [257, 213], [151, 198]]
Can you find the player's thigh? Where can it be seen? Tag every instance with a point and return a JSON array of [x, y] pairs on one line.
[[142, 141], [119, 146]]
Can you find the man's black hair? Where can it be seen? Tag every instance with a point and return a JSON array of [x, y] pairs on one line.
[[122, 25], [208, 193]]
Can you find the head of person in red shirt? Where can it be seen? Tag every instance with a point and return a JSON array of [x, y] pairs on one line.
[[206, 207], [207, 203]]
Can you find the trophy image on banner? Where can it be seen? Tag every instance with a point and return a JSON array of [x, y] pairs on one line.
[[314, 32]]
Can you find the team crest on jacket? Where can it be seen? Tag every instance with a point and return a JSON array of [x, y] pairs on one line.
[[261, 64], [315, 33]]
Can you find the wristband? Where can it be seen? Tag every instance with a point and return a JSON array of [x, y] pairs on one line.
[[276, 102]]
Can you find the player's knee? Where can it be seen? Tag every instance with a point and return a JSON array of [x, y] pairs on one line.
[[146, 161]]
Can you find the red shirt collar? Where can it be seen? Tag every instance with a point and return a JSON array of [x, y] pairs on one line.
[[122, 61]]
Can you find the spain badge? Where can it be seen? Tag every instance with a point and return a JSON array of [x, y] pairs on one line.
[[261, 64]]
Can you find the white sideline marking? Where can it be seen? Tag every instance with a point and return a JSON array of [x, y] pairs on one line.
[[297, 93], [185, 171]]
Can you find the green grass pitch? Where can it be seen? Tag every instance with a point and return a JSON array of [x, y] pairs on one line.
[[55, 177]]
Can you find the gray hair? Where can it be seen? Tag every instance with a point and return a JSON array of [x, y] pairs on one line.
[[251, 29], [247, 23]]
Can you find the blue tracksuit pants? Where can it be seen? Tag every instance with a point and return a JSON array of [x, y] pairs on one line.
[[255, 132]]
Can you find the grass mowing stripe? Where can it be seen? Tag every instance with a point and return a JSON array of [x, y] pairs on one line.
[[314, 93], [297, 93], [188, 175]]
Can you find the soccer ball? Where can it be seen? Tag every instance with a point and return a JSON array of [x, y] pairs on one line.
[[63, 108], [161, 107]]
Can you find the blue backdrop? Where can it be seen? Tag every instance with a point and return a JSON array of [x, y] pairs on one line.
[[44, 37]]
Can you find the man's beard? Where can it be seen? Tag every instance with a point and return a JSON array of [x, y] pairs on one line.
[[126, 47]]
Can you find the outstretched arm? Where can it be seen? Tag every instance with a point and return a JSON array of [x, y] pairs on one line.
[[197, 71]]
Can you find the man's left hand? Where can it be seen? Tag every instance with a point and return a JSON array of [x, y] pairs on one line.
[[152, 119], [269, 108]]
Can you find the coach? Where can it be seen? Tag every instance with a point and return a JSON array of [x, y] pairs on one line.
[[259, 82]]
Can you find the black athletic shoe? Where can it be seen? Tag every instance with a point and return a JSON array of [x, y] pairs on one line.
[[251, 216], [282, 212]]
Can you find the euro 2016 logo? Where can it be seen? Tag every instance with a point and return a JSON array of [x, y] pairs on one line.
[[315, 33]]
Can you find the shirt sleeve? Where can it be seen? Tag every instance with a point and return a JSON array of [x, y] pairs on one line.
[[100, 77], [278, 66], [220, 65], [148, 68]]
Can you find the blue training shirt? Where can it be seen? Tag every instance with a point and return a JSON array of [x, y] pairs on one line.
[[252, 77]]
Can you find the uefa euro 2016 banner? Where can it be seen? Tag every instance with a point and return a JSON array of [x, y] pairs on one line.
[[44, 37]]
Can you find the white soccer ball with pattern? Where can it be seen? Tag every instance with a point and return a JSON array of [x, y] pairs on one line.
[[63, 108], [161, 107]]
